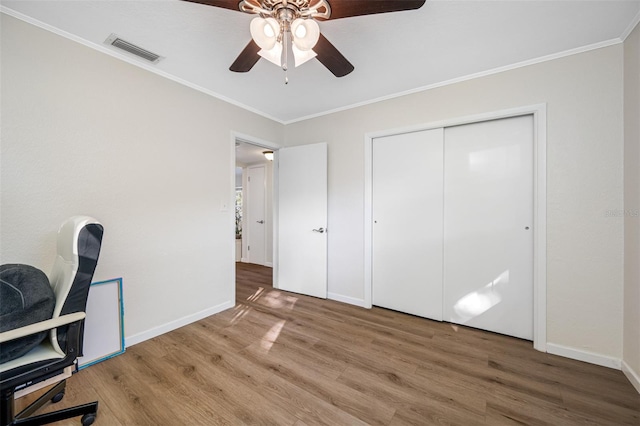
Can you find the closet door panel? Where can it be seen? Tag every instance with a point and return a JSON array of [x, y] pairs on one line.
[[407, 223], [488, 215]]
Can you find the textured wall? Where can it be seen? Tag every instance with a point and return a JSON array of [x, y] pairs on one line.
[[584, 167], [84, 133], [632, 202]]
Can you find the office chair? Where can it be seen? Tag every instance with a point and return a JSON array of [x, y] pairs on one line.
[[78, 247]]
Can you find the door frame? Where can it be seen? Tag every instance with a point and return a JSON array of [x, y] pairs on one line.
[[271, 146], [539, 112]]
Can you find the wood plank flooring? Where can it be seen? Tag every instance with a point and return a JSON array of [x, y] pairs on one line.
[[279, 358]]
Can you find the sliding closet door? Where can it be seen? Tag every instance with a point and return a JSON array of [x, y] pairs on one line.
[[488, 215], [407, 223]]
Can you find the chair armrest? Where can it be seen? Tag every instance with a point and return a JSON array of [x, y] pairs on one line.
[[49, 324]]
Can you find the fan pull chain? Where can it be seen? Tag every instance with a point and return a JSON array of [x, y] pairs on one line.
[[285, 66]]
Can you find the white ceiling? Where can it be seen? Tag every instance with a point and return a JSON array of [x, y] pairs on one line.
[[247, 154], [392, 53]]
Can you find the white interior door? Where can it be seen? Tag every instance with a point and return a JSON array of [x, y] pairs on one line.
[[302, 220], [255, 207], [488, 216], [407, 223]]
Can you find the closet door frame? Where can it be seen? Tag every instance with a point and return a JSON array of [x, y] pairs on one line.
[[539, 113]]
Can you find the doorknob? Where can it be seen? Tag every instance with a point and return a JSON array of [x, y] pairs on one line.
[[260, 221], [320, 230]]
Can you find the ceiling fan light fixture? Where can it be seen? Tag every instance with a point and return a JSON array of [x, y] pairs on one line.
[[301, 31], [273, 55], [265, 32], [305, 33], [302, 56], [296, 20]]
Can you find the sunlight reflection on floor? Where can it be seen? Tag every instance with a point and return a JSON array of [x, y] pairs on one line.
[[271, 336], [241, 311], [273, 299]]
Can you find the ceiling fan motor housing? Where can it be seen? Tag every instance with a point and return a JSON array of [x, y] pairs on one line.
[[287, 10]]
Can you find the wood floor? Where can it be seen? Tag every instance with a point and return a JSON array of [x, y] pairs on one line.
[[283, 359]]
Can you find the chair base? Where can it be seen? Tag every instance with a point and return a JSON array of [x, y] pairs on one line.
[[87, 411]]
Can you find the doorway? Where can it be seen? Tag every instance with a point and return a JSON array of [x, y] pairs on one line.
[[296, 212], [253, 204]]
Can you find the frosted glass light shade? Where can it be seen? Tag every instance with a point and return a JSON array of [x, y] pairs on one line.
[[265, 32], [302, 56], [273, 55], [305, 33]]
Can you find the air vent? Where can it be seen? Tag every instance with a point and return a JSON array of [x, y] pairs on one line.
[[120, 43]]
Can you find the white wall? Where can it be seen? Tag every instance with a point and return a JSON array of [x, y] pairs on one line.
[[84, 133], [632, 206], [584, 162]]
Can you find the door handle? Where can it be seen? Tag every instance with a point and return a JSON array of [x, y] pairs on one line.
[[260, 221], [320, 230]]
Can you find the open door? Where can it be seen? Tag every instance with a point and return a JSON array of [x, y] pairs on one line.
[[302, 220]]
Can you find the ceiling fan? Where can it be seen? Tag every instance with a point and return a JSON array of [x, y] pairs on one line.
[[295, 21]]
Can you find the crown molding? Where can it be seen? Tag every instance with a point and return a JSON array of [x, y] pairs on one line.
[[632, 25], [132, 61], [153, 69], [493, 71]]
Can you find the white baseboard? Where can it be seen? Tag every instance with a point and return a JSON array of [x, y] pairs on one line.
[[180, 322], [346, 299], [586, 356], [244, 260], [633, 376]]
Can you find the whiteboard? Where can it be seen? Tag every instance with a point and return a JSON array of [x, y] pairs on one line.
[[104, 324]]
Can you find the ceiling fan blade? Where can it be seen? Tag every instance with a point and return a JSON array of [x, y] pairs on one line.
[[225, 4], [347, 8], [331, 58], [247, 58]]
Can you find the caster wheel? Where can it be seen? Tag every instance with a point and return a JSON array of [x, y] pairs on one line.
[[57, 397], [88, 419]]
